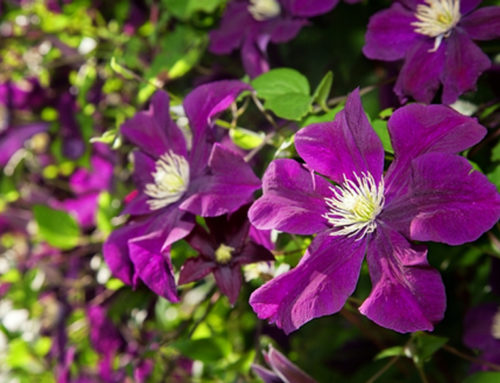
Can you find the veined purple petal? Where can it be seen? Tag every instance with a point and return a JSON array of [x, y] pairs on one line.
[[319, 285], [407, 295], [293, 200], [447, 201], [153, 131], [463, 65], [144, 167], [195, 268], [228, 280], [390, 34], [285, 369], [229, 185], [308, 8], [266, 375], [483, 24], [345, 146], [418, 129], [419, 76], [152, 265]]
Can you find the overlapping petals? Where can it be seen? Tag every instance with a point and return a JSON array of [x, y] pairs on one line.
[[431, 194]]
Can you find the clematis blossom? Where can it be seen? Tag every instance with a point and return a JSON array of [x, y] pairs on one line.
[[429, 193], [252, 25], [435, 40], [176, 183], [223, 251]]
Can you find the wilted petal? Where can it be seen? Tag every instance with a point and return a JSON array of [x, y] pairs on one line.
[[153, 131], [421, 71], [229, 185], [483, 24], [153, 265], [345, 146], [418, 129], [319, 285], [293, 200], [463, 65], [407, 295], [390, 34], [447, 201]]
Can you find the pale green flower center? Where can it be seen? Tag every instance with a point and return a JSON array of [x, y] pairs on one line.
[[436, 19], [355, 205], [264, 9], [171, 178], [495, 329], [224, 254]]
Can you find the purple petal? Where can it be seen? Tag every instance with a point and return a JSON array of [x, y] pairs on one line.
[[418, 129], [253, 252], [83, 208], [14, 139], [229, 185], [447, 201], [153, 131], [138, 205], [319, 285], [228, 280], [254, 58], [144, 167], [345, 146], [293, 200], [283, 30], [390, 34], [419, 76], [407, 295], [230, 34], [115, 250], [175, 224], [308, 8], [285, 369], [483, 24], [94, 179], [468, 5], [266, 375], [478, 324], [153, 265], [195, 268], [463, 65]]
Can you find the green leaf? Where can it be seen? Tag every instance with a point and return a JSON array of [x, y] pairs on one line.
[[56, 227], [246, 139], [205, 349], [326, 117], [426, 345], [483, 377], [380, 127], [322, 92], [184, 9], [494, 176], [495, 153], [120, 69], [291, 106], [279, 82], [391, 351]]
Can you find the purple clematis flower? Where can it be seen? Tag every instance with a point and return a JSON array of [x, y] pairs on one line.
[[283, 371], [428, 194], [435, 39], [223, 251], [252, 25], [176, 180]]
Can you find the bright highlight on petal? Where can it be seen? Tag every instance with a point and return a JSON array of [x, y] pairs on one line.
[[223, 254], [171, 179], [437, 19], [495, 328], [355, 205], [264, 9]]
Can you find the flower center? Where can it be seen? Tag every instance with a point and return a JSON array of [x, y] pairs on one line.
[[171, 179], [223, 254], [495, 329], [355, 205], [436, 19], [264, 9]]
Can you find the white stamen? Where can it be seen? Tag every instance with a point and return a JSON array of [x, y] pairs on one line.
[[264, 9], [495, 329], [436, 19], [355, 205], [171, 178]]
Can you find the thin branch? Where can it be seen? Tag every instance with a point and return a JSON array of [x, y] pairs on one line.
[[421, 373], [470, 358], [386, 367]]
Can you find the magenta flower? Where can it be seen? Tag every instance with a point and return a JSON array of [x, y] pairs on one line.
[[435, 39], [252, 25], [223, 251], [176, 180], [428, 194]]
